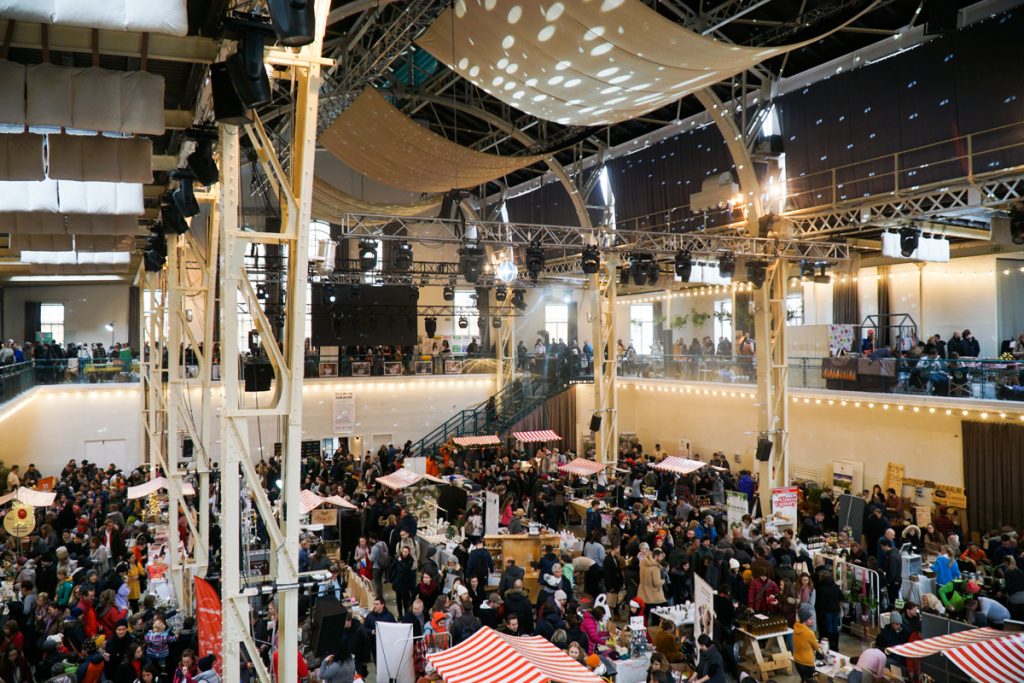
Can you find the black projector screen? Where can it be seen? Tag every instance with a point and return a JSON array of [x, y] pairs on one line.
[[364, 315]]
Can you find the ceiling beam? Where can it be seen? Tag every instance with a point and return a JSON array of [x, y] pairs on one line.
[[162, 47], [177, 119]]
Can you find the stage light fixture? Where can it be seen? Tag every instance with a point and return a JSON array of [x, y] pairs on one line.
[[248, 75], [327, 294], [154, 256], [590, 260], [401, 259], [449, 293], [806, 269], [822, 278], [534, 260], [294, 21], [641, 268], [653, 272], [519, 299], [471, 262], [184, 195], [463, 322], [500, 293], [367, 255], [1017, 223], [495, 322], [430, 327], [684, 265], [909, 238], [261, 292], [506, 271], [201, 162], [756, 273], [171, 216], [726, 265], [624, 275]]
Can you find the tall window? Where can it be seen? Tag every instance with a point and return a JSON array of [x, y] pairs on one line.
[[795, 309], [51, 320], [641, 327], [464, 299], [723, 320], [556, 321]]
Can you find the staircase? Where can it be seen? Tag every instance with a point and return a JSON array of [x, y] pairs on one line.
[[499, 412]]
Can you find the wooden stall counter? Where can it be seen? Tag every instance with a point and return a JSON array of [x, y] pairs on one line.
[[524, 549]]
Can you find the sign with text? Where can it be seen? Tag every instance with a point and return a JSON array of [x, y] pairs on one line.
[[894, 476], [344, 412], [704, 604], [208, 621], [736, 502], [953, 496], [325, 516], [784, 505]]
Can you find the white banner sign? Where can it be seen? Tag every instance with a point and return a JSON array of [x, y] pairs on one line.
[[737, 507], [394, 654], [704, 601], [344, 413], [784, 506]]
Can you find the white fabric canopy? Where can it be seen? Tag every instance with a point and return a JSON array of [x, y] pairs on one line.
[[583, 63], [400, 479], [156, 484], [37, 499], [160, 16], [582, 467], [678, 465]]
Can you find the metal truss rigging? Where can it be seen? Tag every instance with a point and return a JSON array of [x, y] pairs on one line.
[[449, 231]]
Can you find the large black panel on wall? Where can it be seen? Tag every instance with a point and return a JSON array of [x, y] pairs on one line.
[[364, 315]]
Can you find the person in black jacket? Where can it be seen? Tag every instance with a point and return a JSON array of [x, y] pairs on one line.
[[612, 573], [970, 345], [828, 604], [892, 569], [403, 580], [711, 668], [517, 602]]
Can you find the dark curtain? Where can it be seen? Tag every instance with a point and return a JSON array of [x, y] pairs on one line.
[[33, 319], [133, 318], [845, 302], [742, 319], [654, 182], [993, 474], [942, 89], [550, 205], [557, 414], [884, 338]]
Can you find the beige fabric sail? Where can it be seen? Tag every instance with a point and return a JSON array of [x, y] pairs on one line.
[[381, 142], [583, 62], [330, 203]]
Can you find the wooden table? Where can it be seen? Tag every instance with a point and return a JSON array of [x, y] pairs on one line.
[[762, 669]]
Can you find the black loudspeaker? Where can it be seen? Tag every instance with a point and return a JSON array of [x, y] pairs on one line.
[[248, 75], [764, 449], [328, 624], [227, 108], [940, 16], [258, 376], [294, 21], [595, 423]]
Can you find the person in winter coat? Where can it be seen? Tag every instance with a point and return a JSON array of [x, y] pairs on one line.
[[186, 670], [652, 580], [403, 580], [338, 668], [517, 602], [207, 674], [91, 670], [763, 595], [591, 625], [130, 669], [14, 668], [828, 604]]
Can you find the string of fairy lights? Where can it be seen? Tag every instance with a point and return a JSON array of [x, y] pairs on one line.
[[908, 405]]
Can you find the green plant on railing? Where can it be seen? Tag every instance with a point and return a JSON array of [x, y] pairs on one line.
[[679, 321], [698, 317], [723, 316]]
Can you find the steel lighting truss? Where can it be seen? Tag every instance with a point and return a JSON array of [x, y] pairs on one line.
[[497, 234]]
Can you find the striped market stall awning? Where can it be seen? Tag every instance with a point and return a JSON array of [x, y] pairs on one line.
[[399, 479], [485, 440], [536, 437], [677, 465], [491, 657], [984, 654], [310, 501], [581, 467]]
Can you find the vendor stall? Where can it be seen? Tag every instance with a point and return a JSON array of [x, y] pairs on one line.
[[984, 654], [541, 436], [680, 466], [581, 467], [498, 658], [477, 441]]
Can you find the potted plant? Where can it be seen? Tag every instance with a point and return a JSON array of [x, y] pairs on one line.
[[679, 321], [723, 316], [698, 318]]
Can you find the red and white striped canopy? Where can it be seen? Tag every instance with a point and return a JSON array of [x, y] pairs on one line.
[[930, 646], [678, 465], [998, 660], [311, 501], [581, 467], [536, 437], [399, 479], [486, 440], [491, 657]]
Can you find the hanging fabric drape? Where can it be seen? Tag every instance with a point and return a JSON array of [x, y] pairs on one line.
[[330, 204], [993, 474], [376, 139], [33, 319], [884, 337]]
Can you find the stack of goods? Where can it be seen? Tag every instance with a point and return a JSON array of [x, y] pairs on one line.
[[761, 625]]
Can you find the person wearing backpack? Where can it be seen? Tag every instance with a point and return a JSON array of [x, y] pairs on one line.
[[380, 561], [465, 625]]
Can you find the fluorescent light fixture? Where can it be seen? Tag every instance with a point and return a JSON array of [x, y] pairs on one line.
[[64, 278]]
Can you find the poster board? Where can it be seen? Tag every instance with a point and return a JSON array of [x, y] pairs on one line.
[[847, 476], [424, 367], [784, 505], [325, 516], [394, 653], [685, 446], [344, 413], [704, 603], [491, 514], [453, 367], [736, 507]]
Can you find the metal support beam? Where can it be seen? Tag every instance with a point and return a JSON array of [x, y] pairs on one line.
[[604, 286], [772, 378], [286, 357]]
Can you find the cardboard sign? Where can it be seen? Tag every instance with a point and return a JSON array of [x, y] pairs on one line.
[[325, 516], [894, 477], [952, 496]]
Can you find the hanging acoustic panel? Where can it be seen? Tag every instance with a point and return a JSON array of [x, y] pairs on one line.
[[100, 158], [12, 84], [381, 142], [21, 157], [22, 223], [583, 63], [153, 16]]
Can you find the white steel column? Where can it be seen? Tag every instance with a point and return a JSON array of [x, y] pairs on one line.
[[772, 378], [604, 287], [294, 191]]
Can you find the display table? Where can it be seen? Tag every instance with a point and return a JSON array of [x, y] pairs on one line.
[[762, 669], [524, 549], [679, 615]]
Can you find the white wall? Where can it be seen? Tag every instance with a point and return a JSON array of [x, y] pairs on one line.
[[87, 309]]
